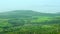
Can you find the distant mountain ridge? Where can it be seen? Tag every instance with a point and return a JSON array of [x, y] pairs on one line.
[[23, 13]]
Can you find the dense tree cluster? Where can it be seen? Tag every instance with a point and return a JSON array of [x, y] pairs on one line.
[[42, 25]]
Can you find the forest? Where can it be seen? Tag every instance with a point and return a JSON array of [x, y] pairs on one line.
[[29, 22]]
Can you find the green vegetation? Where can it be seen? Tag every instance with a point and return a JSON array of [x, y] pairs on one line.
[[29, 22]]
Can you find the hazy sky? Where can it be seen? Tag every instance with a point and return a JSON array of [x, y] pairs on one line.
[[36, 5]]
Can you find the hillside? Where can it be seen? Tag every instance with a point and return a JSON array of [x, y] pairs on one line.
[[29, 22]]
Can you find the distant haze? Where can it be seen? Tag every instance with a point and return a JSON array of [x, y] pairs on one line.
[[49, 6]]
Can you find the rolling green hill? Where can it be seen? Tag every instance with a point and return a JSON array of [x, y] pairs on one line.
[[29, 22]]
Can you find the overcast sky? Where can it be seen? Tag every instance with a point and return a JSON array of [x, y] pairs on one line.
[[36, 5]]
